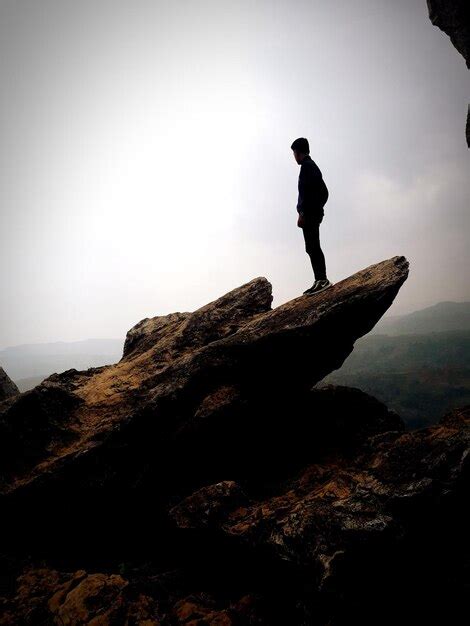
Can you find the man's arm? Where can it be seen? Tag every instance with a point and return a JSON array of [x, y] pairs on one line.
[[301, 220], [309, 182], [303, 192], [311, 191]]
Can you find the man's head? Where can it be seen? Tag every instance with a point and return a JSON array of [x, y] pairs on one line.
[[301, 148]]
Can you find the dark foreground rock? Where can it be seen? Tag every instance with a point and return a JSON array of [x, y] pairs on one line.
[[7, 386], [204, 479]]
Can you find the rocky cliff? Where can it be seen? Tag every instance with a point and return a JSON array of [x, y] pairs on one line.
[[7, 386], [204, 479], [453, 17]]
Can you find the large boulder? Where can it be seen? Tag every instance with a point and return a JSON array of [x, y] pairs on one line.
[[178, 373]]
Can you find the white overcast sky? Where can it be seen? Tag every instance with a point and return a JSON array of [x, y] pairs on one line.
[[145, 161]]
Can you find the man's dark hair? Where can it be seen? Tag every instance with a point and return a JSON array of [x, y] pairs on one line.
[[301, 145]]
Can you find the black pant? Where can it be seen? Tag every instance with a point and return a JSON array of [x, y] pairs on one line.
[[313, 249]]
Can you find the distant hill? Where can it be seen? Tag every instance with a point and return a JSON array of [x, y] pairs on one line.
[[420, 376], [440, 317], [39, 360], [24, 384], [384, 353]]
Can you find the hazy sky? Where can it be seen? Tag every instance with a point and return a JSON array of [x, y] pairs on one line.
[[145, 161]]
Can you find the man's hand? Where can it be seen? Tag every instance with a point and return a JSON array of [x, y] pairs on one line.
[[301, 220]]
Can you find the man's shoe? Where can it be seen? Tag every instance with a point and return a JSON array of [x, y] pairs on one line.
[[320, 285], [310, 289]]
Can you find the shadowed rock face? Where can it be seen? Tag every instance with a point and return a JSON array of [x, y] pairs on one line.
[[203, 479], [338, 516], [7, 386], [453, 17]]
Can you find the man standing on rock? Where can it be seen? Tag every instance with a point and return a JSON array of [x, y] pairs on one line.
[[313, 194]]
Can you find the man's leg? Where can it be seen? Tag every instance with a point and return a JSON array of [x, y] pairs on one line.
[[313, 249]]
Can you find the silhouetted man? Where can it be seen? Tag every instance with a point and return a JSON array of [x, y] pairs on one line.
[[313, 194]]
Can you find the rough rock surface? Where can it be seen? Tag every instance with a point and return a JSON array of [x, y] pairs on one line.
[[204, 479], [333, 516], [453, 17], [7, 386], [178, 372]]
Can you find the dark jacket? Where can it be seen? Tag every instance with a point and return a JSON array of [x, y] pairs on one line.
[[313, 192]]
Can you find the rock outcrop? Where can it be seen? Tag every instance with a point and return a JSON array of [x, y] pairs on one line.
[[7, 386], [204, 479], [181, 372], [453, 17]]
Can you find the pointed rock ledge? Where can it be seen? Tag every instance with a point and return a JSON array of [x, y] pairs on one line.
[[179, 370]]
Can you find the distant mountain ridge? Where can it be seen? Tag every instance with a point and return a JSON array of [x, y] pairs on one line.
[[66, 347], [443, 316], [30, 361], [384, 353], [418, 364]]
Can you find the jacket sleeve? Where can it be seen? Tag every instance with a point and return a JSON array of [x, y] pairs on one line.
[[306, 190]]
